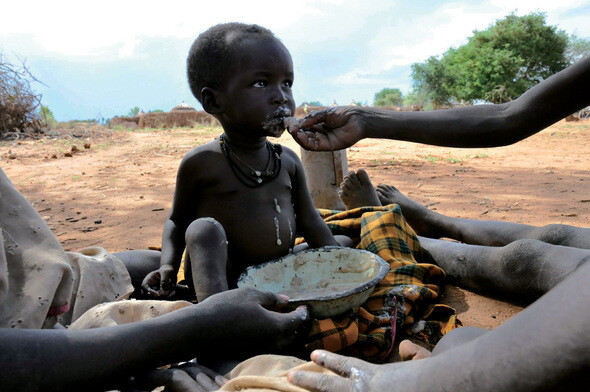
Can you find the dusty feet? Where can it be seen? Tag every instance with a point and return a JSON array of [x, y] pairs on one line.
[[424, 221], [357, 191], [409, 351]]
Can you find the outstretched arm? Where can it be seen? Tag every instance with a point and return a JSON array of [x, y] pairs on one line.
[[545, 347], [473, 126], [95, 359]]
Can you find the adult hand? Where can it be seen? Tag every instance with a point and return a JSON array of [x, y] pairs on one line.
[[333, 128], [188, 377], [160, 283], [251, 318], [355, 375]]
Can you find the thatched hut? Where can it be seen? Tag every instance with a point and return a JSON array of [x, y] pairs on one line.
[[182, 115]]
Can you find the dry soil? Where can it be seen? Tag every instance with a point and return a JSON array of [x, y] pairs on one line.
[[117, 192]]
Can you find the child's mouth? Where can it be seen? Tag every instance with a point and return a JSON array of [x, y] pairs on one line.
[[275, 122]]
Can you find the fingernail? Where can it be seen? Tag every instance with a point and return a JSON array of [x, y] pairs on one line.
[[284, 297], [303, 311], [290, 375], [317, 355]]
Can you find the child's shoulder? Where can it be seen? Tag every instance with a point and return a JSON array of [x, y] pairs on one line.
[[203, 154], [204, 150]]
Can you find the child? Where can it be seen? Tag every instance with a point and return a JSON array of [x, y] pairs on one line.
[[239, 200]]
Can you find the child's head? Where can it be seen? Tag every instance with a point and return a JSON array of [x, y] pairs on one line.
[[242, 74]]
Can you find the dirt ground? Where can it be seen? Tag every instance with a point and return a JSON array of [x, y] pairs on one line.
[[117, 192]]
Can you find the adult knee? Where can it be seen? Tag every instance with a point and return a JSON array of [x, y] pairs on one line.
[[522, 265], [519, 257], [556, 234], [205, 231]]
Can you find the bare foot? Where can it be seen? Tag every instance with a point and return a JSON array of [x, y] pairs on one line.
[[357, 191], [409, 351], [425, 222]]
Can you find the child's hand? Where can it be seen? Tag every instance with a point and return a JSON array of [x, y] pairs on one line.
[[160, 283]]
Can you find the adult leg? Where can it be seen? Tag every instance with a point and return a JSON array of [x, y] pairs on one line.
[[357, 191], [139, 263], [479, 232], [206, 259], [526, 267], [542, 348]]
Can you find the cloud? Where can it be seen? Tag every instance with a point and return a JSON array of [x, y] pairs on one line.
[[87, 28]]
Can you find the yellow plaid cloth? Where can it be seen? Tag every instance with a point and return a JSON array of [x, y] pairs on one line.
[[404, 296]]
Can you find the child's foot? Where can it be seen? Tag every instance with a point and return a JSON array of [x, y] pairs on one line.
[[357, 191], [409, 351], [424, 221]]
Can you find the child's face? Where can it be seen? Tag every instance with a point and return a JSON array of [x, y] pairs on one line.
[[257, 93]]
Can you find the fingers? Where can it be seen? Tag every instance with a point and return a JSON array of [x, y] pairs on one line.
[[339, 364], [173, 379], [317, 382], [204, 381], [204, 376], [146, 286], [353, 374], [272, 301], [314, 118]]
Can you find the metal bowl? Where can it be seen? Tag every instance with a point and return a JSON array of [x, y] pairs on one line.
[[329, 280]]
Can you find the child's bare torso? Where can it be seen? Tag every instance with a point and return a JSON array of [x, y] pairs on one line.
[[259, 222]]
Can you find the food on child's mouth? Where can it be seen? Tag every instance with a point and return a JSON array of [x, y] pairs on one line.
[[290, 121]]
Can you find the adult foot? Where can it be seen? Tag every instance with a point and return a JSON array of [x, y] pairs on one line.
[[425, 222], [357, 191], [409, 351]]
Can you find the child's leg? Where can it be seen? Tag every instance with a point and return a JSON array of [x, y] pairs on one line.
[[206, 259], [526, 267]]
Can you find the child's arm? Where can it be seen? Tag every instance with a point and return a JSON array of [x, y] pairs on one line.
[[309, 223], [173, 242]]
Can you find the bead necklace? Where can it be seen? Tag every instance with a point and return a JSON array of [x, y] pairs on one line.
[[251, 177]]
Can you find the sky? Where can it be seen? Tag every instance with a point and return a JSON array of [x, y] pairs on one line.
[[100, 59]]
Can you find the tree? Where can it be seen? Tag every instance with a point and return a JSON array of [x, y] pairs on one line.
[[47, 115], [577, 48], [315, 103], [496, 65], [417, 98], [432, 80], [388, 97], [133, 112]]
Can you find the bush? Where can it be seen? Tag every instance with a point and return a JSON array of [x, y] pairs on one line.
[[18, 102]]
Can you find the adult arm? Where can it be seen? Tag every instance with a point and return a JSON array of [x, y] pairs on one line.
[[98, 358], [309, 222], [472, 126], [545, 347]]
